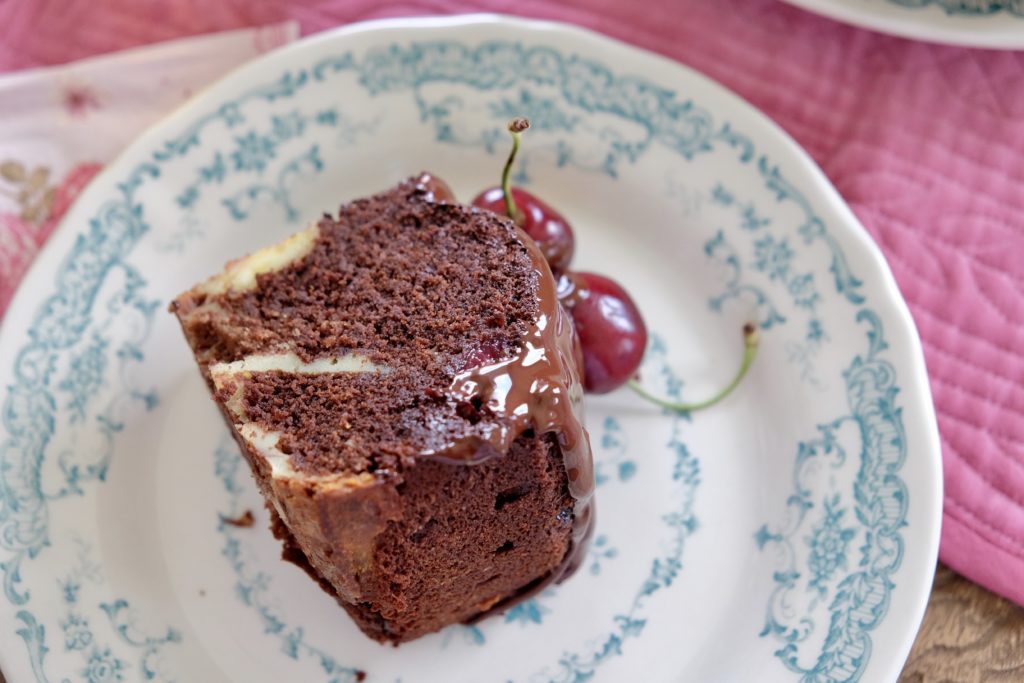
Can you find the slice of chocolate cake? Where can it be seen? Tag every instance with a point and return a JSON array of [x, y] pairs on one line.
[[404, 385]]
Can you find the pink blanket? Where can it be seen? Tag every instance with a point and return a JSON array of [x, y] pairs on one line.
[[926, 143]]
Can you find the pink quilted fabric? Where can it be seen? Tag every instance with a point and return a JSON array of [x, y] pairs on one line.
[[925, 142]]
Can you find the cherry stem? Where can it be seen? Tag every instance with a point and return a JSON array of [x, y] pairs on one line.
[[751, 338], [516, 127]]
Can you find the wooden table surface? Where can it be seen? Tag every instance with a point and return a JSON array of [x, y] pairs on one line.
[[969, 635]]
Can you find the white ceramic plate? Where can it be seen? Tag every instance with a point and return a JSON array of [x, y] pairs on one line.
[[789, 534], [973, 23]]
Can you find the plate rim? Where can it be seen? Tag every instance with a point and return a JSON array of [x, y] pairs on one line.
[[942, 31], [917, 388]]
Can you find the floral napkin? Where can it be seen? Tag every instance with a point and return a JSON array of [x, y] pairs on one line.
[[61, 124]]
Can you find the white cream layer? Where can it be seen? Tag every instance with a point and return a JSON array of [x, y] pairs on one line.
[[292, 364], [232, 375], [240, 275]]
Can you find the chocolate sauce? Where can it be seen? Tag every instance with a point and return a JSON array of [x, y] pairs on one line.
[[540, 389]]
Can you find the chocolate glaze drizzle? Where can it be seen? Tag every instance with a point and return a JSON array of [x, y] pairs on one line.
[[539, 388]]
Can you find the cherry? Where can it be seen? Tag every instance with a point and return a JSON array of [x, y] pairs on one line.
[[613, 338], [436, 189], [485, 354], [612, 333], [611, 330], [546, 226]]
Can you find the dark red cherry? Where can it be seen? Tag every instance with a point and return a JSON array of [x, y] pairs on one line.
[[611, 329], [484, 354], [546, 226], [436, 189]]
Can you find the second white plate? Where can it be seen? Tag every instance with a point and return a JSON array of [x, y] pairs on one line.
[[974, 23]]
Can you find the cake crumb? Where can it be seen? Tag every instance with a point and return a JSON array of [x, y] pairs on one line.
[[360, 675], [243, 521]]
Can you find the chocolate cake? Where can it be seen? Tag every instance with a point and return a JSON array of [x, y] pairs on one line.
[[405, 386]]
